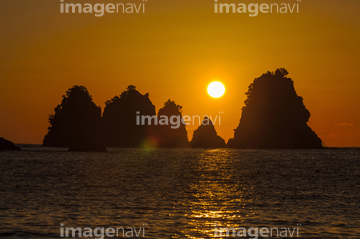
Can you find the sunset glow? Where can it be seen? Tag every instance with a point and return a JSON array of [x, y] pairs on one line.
[[171, 52]]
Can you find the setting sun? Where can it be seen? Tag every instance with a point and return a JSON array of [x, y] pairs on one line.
[[216, 89]]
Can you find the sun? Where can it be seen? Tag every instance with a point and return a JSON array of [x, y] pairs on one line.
[[216, 89]]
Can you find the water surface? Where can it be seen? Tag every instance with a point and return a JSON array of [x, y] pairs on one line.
[[180, 193]]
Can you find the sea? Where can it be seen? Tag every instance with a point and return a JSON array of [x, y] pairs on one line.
[[180, 193]]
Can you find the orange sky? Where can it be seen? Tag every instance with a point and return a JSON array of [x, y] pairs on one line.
[[173, 51]]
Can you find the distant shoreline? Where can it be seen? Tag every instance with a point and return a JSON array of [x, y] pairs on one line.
[[326, 148]]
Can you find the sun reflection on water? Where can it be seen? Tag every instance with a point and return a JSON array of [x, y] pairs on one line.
[[219, 198]]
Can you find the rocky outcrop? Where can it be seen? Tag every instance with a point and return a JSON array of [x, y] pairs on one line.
[[170, 131], [7, 145], [121, 125], [76, 121], [206, 137], [274, 116]]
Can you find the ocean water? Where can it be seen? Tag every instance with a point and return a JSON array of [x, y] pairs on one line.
[[180, 193]]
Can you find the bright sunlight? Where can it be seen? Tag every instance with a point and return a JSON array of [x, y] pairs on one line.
[[216, 89]]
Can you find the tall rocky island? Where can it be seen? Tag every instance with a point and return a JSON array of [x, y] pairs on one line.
[[119, 119], [274, 116], [76, 122], [170, 132]]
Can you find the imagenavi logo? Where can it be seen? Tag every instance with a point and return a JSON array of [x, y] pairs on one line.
[[99, 9], [253, 9]]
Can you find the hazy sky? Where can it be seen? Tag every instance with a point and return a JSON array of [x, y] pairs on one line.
[[173, 51]]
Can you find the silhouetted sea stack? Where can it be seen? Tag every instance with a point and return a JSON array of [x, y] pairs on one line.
[[170, 131], [7, 145], [76, 122], [120, 125], [274, 116], [206, 137]]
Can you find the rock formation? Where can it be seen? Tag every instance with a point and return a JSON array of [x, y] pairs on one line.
[[76, 122], [7, 145], [274, 116], [120, 125], [206, 137], [170, 130]]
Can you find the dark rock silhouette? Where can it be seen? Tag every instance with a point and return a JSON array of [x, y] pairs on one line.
[[274, 116], [7, 145], [76, 122], [170, 131], [206, 137], [120, 119]]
